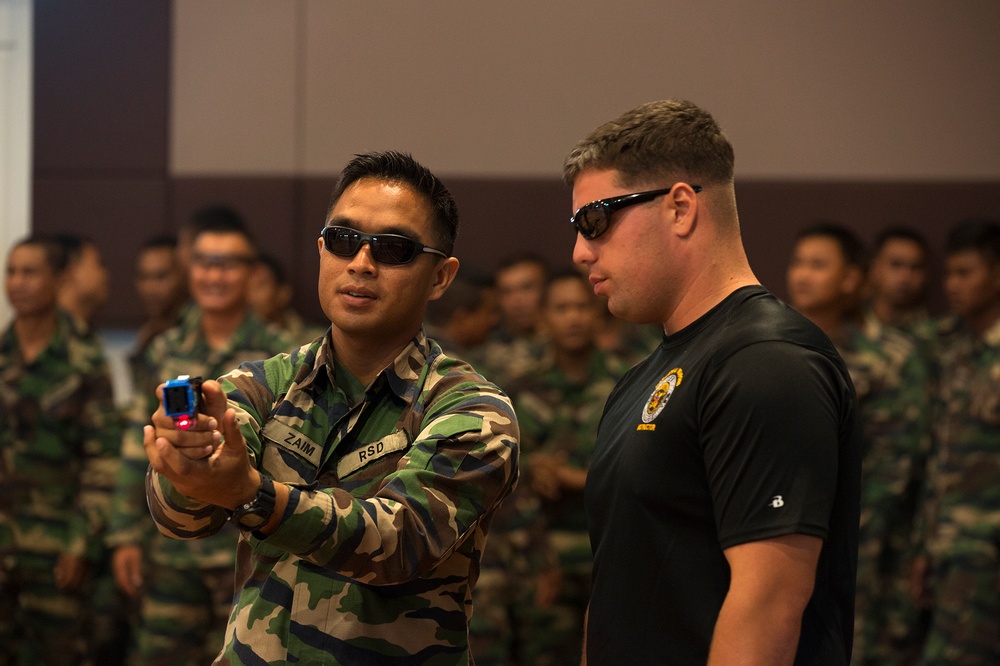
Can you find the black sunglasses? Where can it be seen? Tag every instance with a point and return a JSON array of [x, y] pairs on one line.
[[594, 219], [385, 248]]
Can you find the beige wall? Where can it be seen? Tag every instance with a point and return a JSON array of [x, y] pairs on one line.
[[884, 90]]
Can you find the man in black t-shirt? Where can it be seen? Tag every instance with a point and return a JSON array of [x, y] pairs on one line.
[[723, 496]]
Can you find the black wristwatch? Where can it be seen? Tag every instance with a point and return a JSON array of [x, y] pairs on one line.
[[254, 514]]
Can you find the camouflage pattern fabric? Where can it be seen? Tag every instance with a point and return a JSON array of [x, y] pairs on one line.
[[503, 358], [59, 440], [390, 501], [517, 553], [558, 416], [892, 380], [963, 500], [171, 616], [297, 330]]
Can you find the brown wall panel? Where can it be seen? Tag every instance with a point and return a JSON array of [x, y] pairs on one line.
[[498, 218], [118, 215], [503, 217], [101, 86], [314, 201]]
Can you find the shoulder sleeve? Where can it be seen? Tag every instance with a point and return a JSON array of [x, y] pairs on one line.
[[771, 421], [461, 464]]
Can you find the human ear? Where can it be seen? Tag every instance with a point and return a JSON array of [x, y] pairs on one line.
[[443, 275], [683, 201]]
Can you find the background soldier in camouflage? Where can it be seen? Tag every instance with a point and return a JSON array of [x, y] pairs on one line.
[[364, 468], [518, 344], [271, 300], [959, 573], [84, 291], [463, 319], [892, 381], [898, 279], [58, 447], [161, 284], [559, 406], [186, 587]]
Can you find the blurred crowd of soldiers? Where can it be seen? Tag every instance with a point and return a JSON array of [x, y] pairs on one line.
[[86, 578]]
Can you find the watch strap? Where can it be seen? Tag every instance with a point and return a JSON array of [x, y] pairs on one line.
[[254, 514]]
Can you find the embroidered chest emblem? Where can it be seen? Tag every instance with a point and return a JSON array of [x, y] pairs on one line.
[[661, 394]]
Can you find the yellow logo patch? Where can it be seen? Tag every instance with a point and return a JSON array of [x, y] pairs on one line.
[[661, 394]]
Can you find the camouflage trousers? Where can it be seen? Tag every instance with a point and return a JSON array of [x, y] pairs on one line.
[[500, 618], [39, 623], [113, 618], [889, 629], [183, 616], [965, 621], [509, 628], [556, 636]]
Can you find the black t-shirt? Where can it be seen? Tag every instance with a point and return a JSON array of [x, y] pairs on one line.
[[740, 427]]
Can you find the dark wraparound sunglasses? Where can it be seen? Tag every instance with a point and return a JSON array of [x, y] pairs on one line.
[[594, 219], [385, 248]]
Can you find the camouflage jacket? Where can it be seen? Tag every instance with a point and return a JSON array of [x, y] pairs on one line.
[[503, 358], [963, 500], [893, 381], [560, 416], [298, 330], [59, 439], [390, 501], [181, 350]]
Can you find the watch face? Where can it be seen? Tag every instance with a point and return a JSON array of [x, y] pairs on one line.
[[252, 521], [255, 514]]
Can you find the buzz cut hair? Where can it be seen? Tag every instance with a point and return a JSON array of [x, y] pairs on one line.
[[976, 234], [656, 142]]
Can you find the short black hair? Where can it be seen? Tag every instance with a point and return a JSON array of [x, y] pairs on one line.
[[979, 234], [851, 246], [465, 293], [73, 245], [216, 216], [164, 241], [524, 257], [396, 167], [220, 220], [273, 264], [56, 254], [566, 274], [900, 232]]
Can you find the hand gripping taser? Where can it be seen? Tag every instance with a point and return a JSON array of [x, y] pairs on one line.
[[182, 400]]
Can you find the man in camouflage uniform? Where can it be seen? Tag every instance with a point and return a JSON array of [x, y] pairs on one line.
[[364, 468], [559, 407], [898, 278], [519, 343], [897, 284], [58, 447], [892, 381], [463, 319], [271, 299], [959, 574], [186, 587], [84, 291]]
